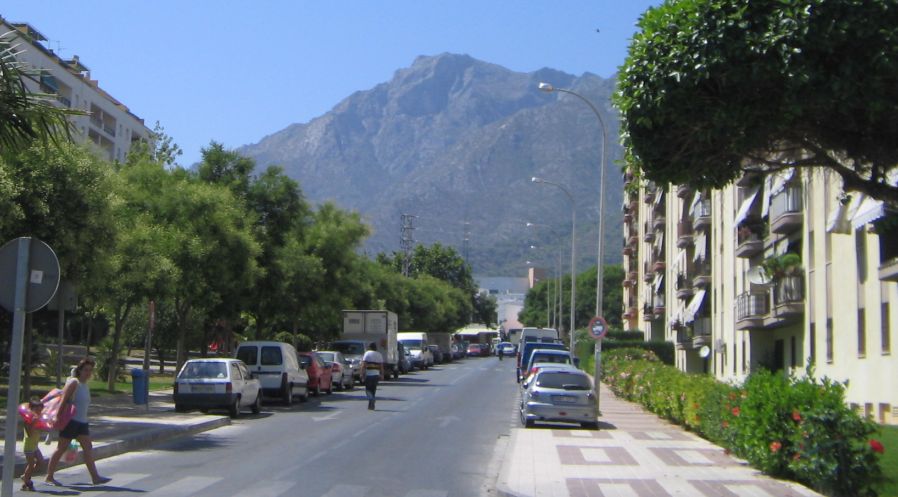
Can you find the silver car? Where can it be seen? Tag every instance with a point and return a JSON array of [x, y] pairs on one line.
[[559, 394], [216, 384], [343, 376]]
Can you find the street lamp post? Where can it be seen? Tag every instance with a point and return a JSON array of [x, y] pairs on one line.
[[548, 305], [557, 311], [548, 88], [573, 251]]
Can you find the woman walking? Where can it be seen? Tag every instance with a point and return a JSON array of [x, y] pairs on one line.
[[77, 392]]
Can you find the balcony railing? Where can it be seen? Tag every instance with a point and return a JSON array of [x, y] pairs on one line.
[[701, 331], [648, 312], [684, 286], [683, 191], [702, 274], [648, 274], [786, 210], [788, 290], [751, 308], [749, 242], [702, 215], [684, 234], [658, 221]]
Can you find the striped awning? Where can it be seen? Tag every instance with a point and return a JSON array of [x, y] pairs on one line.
[[694, 305], [747, 205]]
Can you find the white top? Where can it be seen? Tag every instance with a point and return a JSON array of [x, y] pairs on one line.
[[372, 357], [81, 400]]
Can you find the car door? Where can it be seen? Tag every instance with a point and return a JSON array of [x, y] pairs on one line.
[[238, 382], [250, 385]]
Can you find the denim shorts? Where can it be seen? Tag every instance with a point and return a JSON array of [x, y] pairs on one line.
[[74, 430]]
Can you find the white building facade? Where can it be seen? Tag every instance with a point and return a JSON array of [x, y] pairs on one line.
[[108, 123], [782, 271]]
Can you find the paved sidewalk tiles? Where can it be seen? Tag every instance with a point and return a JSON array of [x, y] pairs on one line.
[[633, 454]]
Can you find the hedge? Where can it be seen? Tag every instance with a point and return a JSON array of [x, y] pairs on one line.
[[798, 428]]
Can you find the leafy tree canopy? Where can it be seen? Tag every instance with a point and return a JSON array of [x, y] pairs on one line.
[[712, 88]]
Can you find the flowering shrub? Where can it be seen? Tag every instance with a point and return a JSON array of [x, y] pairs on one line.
[[795, 428]]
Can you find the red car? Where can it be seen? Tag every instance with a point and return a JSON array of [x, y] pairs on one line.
[[474, 350], [320, 376]]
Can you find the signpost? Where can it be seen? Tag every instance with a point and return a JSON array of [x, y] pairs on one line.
[[33, 271], [598, 328]]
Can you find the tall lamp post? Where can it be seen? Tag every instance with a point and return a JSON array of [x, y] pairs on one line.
[[550, 303], [573, 251], [556, 291], [548, 88]]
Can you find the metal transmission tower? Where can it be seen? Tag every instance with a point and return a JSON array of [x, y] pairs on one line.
[[407, 241]]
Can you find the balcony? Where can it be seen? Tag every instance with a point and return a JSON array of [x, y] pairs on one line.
[[647, 274], [684, 338], [659, 266], [701, 331], [634, 206], [751, 309], [788, 301], [658, 306], [649, 236], [888, 271], [702, 216], [649, 197], [633, 275], [684, 286], [648, 312], [658, 222], [684, 234], [628, 251], [633, 241], [750, 242], [683, 191], [786, 210], [627, 283], [702, 276], [628, 217]]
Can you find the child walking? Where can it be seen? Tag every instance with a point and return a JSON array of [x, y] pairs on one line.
[[33, 456]]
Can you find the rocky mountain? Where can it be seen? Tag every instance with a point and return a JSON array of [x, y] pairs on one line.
[[455, 142]]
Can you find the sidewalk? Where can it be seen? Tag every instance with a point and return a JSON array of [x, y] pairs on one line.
[[118, 426], [634, 453]]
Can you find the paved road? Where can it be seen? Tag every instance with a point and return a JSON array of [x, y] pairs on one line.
[[435, 433]]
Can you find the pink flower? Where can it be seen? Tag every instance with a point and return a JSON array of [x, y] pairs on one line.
[[877, 446], [736, 411], [775, 446], [796, 416]]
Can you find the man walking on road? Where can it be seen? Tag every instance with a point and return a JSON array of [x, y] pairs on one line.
[[373, 366]]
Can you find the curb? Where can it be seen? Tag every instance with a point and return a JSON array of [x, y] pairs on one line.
[[103, 450]]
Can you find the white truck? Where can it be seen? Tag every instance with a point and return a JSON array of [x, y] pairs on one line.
[[379, 327]]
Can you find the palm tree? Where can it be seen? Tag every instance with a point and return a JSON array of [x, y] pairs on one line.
[[26, 116]]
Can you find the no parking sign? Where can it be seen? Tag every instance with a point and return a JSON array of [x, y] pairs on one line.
[[598, 328]]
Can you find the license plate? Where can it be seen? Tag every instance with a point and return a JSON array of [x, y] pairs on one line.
[[564, 399], [202, 388]]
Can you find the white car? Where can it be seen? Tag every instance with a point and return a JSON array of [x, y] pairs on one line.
[[216, 384], [276, 366], [343, 376]]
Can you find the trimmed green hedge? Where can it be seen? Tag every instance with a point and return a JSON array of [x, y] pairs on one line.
[[789, 427]]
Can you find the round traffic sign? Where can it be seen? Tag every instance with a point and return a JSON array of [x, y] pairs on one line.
[[598, 328], [42, 278]]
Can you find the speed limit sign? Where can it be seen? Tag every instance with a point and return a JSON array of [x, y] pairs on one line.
[[598, 328]]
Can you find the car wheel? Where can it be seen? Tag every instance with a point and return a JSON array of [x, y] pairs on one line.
[[287, 395], [528, 423], [396, 374], [257, 405], [330, 388], [305, 396], [180, 408], [590, 425], [234, 409], [341, 385]]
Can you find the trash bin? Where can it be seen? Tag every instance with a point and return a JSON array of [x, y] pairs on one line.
[[140, 388]]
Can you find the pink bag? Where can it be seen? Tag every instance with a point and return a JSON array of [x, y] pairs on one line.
[[54, 417]]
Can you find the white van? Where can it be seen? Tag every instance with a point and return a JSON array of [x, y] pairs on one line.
[[415, 344], [277, 368], [544, 335]]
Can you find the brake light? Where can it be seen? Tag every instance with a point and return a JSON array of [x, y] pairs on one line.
[[534, 370], [229, 387]]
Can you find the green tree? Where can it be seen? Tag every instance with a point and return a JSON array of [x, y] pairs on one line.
[[712, 88], [485, 307]]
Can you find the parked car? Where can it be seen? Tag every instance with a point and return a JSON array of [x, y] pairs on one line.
[[559, 395], [277, 368], [405, 362], [438, 357], [352, 350], [458, 351], [527, 348], [541, 355], [341, 369], [218, 383], [421, 356], [507, 349], [474, 350], [320, 376]]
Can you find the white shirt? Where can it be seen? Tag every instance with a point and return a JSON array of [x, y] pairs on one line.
[[372, 357]]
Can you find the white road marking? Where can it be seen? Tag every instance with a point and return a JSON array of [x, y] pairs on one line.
[[185, 486], [270, 489], [332, 415]]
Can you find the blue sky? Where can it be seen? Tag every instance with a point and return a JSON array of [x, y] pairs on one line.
[[234, 71]]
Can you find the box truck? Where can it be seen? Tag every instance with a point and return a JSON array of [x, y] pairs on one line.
[[380, 327]]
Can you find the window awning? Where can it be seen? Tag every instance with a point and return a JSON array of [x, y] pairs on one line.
[[747, 205], [659, 197], [701, 243], [695, 200], [658, 285], [694, 305], [839, 217], [659, 244], [868, 210], [780, 178]]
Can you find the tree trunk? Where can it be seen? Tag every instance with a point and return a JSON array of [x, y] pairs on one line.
[[161, 354], [120, 316], [90, 332], [182, 311]]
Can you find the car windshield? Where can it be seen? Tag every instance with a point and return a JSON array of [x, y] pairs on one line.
[[327, 356], [305, 360], [566, 381], [248, 354], [349, 348], [412, 344], [557, 358], [204, 370]]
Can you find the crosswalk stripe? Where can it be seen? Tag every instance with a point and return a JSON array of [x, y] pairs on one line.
[[272, 489], [342, 490], [119, 480], [185, 486]]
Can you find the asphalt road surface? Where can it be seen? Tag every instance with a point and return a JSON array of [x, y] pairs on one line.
[[436, 433]]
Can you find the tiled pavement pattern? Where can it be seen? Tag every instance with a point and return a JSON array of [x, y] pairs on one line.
[[634, 454]]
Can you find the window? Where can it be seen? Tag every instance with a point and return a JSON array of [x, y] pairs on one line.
[[248, 354], [861, 333], [829, 340], [812, 345], [885, 339], [860, 248], [271, 356]]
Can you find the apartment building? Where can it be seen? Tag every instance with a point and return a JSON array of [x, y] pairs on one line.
[[108, 124], [783, 271]]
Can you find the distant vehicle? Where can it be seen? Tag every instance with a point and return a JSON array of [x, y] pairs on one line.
[[526, 349], [475, 350], [546, 335], [458, 351], [277, 368], [514, 335], [352, 350], [507, 349], [416, 343], [543, 356], [438, 357], [443, 341], [405, 363], [379, 327], [559, 395], [320, 375], [216, 384], [341, 371]]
